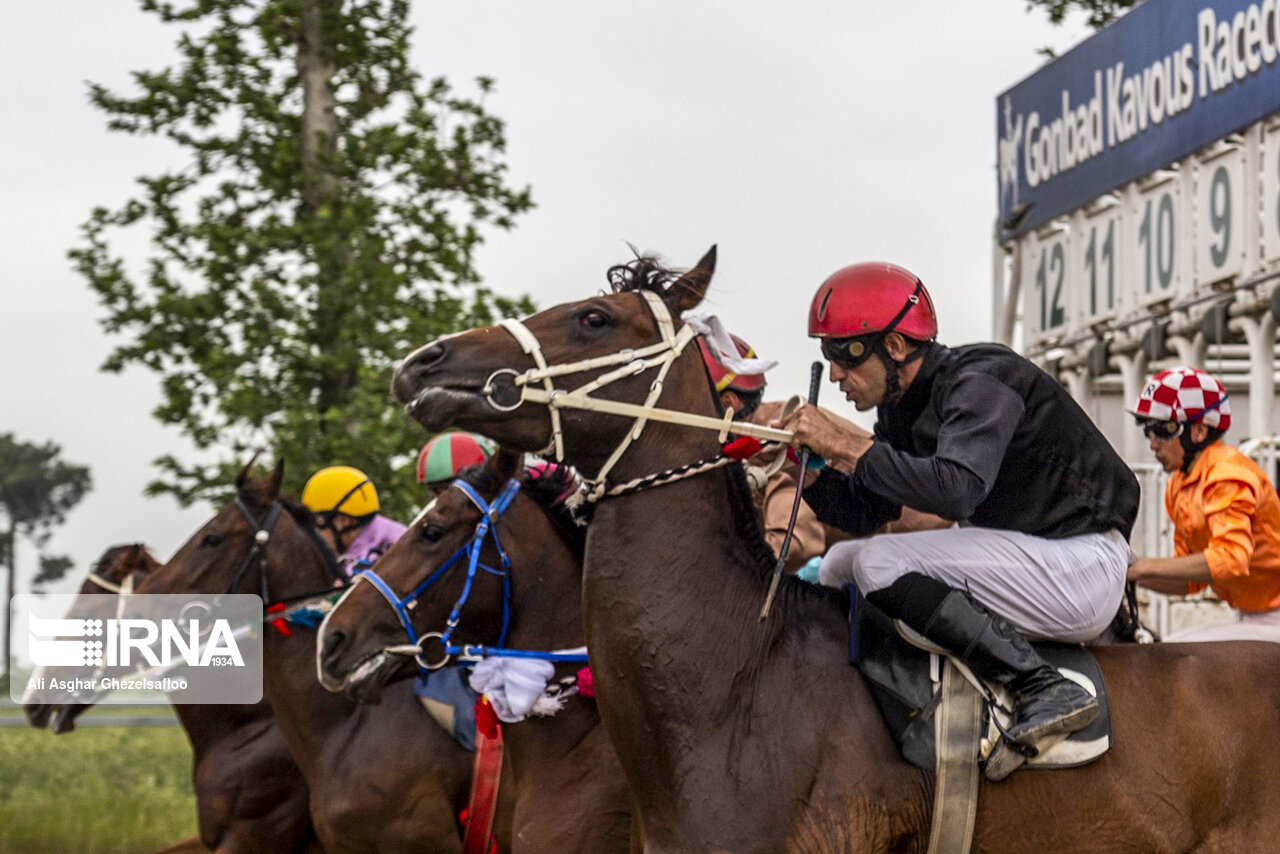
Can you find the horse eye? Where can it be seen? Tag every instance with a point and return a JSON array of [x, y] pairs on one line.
[[431, 533], [211, 541], [594, 319]]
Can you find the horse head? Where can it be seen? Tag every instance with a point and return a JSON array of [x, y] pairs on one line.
[[627, 346], [259, 543], [458, 576], [116, 573]]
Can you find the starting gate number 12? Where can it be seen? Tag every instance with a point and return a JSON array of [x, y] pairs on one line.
[[1050, 274]]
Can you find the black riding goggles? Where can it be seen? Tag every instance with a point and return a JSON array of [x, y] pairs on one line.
[[1161, 429], [847, 352]]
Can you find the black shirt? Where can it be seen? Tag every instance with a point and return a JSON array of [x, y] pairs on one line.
[[984, 437]]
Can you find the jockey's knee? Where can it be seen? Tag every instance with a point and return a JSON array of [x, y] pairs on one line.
[[878, 564], [869, 564]]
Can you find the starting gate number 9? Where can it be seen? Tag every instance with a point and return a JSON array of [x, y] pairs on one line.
[[1220, 216]]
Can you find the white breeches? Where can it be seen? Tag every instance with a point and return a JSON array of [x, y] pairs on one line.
[[1067, 590], [1247, 625]]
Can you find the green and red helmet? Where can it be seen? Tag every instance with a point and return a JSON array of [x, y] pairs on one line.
[[443, 456]]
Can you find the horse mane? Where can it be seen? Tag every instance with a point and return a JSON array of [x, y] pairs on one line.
[[114, 553], [544, 488], [644, 273], [792, 592]]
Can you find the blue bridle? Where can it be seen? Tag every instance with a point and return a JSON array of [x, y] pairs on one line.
[[489, 514]]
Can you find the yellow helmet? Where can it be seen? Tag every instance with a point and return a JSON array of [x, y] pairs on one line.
[[340, 489]]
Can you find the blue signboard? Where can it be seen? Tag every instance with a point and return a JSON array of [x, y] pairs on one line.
[[1162, 81]]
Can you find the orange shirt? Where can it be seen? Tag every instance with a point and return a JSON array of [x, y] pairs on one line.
[[1227, 508]]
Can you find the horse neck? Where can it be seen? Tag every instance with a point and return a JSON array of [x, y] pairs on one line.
[[207, 725], [306, 712], [546, 584]]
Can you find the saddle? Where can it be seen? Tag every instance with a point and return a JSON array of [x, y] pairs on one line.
[[906, 674]]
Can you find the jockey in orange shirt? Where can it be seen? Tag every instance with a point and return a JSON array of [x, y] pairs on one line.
[[1225, 511]]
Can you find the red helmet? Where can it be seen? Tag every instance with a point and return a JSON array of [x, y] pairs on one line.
[[1184, 395], [873, 297], [725, 379]]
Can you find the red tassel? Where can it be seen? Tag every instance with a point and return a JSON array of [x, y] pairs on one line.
[[486, 718], [279, 625], [586, 685], [742, 448]]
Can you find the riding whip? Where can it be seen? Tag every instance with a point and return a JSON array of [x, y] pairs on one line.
[[815, 383]]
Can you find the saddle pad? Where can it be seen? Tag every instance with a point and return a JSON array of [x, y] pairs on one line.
[[451, 702], [905, 681]]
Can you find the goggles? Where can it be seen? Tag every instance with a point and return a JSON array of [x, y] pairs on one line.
[[324, 518], [846, 352], [1161, 429]]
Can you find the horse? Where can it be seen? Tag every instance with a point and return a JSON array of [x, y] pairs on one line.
[[571, 795], [748, 734], [250, 796], [381, 778]]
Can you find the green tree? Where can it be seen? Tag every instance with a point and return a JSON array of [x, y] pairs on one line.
[[1100, 12], [37, 489], [325, 223]]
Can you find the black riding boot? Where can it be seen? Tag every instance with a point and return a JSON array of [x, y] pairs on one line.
[[1047, 706]]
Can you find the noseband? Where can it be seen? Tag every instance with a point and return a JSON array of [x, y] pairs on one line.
[[486, 527], [632, 362]]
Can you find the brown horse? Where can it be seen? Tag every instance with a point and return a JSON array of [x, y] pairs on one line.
[[571, 795], [382, 778], [250, 796], [749, 736]]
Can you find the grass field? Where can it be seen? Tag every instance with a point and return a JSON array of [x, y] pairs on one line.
[[107, 790]]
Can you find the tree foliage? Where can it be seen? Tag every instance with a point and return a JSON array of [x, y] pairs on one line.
[[37, 490], [324, 224], [1100, 12]]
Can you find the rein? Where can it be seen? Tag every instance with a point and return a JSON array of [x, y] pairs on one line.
[[296, 609], [632, 362]]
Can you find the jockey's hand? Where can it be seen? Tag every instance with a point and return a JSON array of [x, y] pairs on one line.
[[841, 443]]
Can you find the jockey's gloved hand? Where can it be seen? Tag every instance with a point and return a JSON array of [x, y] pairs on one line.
[[816, 463]]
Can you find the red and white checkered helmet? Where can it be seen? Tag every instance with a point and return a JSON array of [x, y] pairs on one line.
[[1185, 395]]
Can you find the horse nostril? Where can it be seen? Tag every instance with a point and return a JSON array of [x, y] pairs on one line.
[[427, 357], [334, 641], [411, 374]]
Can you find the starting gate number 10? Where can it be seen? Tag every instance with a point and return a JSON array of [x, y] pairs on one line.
[[1161, 242]]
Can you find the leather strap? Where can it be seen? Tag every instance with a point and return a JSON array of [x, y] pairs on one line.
[[957, 725]]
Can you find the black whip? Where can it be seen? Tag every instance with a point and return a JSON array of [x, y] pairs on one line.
[[815, 383]]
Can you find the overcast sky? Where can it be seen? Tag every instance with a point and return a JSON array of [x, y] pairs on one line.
[[799, 137]]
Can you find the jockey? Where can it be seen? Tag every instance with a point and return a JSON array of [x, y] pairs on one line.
[[981, 436], [743, 394], [344, 504], [446, 454], [1225, 512]]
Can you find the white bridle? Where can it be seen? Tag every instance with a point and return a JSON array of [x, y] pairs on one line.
[[126, 587], [631, 362]]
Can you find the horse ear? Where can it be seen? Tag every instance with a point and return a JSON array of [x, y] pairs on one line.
[[242, 476], [507, 463], [688, 290], [274, 480]]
